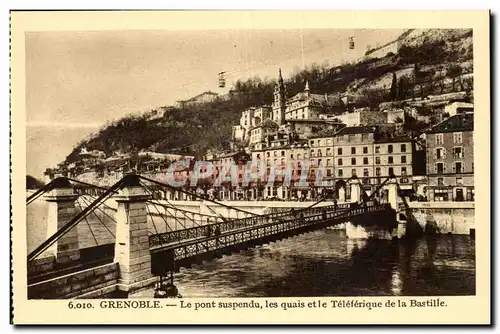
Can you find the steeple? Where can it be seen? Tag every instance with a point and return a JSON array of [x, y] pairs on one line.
[[307, 87], [279, 104]]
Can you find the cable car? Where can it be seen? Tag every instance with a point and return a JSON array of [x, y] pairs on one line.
[[222, 80], [351, 42]]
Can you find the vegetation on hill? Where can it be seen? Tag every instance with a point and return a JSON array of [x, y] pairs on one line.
[[425, 61], [33, 183]]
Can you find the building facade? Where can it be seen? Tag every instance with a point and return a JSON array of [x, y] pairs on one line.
[[450, 159]]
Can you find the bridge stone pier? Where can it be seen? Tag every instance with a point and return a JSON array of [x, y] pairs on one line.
[[61, 208], [374, 231], [132, 240]]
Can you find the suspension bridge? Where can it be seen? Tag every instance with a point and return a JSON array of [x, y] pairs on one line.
[[118, 240]]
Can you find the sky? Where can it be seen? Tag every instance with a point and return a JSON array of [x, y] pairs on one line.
[[78, 81], [88, 78]]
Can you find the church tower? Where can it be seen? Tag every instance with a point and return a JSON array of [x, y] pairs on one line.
[[279, 104]]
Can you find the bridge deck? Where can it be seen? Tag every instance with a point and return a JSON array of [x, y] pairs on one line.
[[258, 233]]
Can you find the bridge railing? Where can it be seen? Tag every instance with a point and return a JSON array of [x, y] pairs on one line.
[[228, 225]]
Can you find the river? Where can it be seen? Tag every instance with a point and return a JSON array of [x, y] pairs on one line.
[[326, 263]]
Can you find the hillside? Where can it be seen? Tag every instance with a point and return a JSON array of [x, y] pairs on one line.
[[428, 62]]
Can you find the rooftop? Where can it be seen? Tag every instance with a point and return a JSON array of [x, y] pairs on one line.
[[460, 122], [351, 130]]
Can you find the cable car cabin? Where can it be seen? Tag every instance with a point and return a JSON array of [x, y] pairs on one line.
[[351, 43], [222, 81]]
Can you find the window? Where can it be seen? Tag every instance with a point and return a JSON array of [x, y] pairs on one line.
[[339, 151], [403, 170], [440, 153], [458, 167], [389, 149], [365, 150], [328, 151], [320, 153], [328, 162], [365, 161], [403, 159], [312, 142], [390, 160], [403, 148], [291, 156], [312, 153], [439, 167], [328, 172], [440, 181], [457, 137], [364, 136], [458, 152], [439, 139], [353, 161], [282, 153], [459, 181], [353, 172], [341, 174], [328, 142], [391, 171], [305, 155], [377, 160], [258, 156], [268, 154], [339, 162], [366, 172], [351, 138], [275, 153], [377, 149], [319, 142], [353, 150], [319, 162], [377, 171]]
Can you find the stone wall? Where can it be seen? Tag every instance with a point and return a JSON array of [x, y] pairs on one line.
[[90, 283], [450, 217], [41, 265]]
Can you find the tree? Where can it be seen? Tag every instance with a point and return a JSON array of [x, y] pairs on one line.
[[455, 72], [394, 87]]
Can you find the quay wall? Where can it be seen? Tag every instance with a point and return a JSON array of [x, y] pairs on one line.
[[90, 283], [450, 217]]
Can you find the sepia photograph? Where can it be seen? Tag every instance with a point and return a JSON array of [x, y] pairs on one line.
[[165, 165]]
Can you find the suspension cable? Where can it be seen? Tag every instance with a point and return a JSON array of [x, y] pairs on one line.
[[52, 239], [88, 224]]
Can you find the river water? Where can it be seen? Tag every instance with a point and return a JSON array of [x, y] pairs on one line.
[[326, 263]]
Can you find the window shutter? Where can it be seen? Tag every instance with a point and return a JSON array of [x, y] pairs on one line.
[[463, 167], [444, 153], [454, 169], [435, 154], [444, 168]]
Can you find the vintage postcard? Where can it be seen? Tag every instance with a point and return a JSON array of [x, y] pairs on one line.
[[250, 167]]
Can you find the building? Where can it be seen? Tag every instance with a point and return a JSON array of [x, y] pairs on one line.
[[306, 105], [200, 98], [259, 133], [450, 159]]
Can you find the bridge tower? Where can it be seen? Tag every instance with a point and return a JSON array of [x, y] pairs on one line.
[[132, 240], [61, 200], [392, 199], [355, 190]]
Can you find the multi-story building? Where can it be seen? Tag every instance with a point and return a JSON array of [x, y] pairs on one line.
[[306, 105], [450, 159], [353, 152], [259, 133]]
